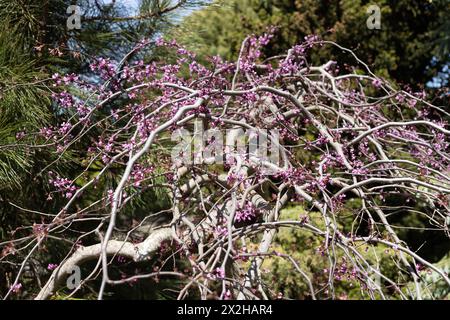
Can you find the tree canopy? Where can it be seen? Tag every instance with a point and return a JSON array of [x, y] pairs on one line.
[[411, 47], [246, 149]]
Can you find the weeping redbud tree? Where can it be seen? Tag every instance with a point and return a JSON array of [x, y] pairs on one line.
[[230, 145]]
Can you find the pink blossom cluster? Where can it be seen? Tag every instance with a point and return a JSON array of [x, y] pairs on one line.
[[63, 185], [140, 172], [246, 213], [105, 67]]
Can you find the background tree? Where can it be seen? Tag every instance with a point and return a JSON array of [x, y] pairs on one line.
[[370, 161], [51, 154], [411, 47], [36, 45]]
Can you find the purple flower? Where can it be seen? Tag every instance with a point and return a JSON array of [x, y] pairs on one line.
[[220, 273], [376, 83], [16, 288], [63, 185], [52, 266], [20, 135], [400, 98], [247, 213]]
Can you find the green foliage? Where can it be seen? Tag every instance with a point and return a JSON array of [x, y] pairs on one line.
[[34, 44], [434, 286], [411, 47], [23, 106], [305, 250], [412, 32]]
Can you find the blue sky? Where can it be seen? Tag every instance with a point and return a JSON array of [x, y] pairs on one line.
[[131, 4]]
